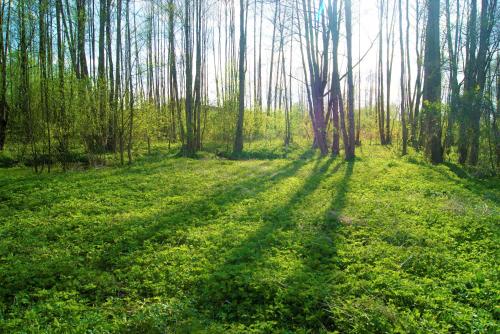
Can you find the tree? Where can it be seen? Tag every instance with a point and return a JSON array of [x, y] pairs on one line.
[[336, 100], [189, 149], [432, 84], [488, 15], [402, 82], [380, 94], [454, 88], [4, 51], [317, 60], [42, 50], [350, 147], [175, 106], [238, 140], [130, 92]]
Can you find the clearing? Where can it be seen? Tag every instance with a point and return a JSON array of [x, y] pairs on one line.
[[270, 244]]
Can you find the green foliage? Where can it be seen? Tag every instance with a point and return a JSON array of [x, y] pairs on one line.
[[282, 241]]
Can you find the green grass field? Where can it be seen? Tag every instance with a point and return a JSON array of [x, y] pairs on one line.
[[265, 245]]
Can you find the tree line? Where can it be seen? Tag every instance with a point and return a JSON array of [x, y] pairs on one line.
[[100, 76]]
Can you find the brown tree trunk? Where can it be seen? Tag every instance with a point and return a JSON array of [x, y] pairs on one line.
[[432, 85]]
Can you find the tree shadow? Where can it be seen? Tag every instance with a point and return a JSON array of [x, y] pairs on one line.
[[113, 242], [232, 293], [484, 188]]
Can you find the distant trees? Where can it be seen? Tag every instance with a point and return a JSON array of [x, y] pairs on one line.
[[93, 76]]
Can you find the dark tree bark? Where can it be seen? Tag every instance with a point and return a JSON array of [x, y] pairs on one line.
[[82, 70], [488, 13], [432, 84], [42, 52], [4, 50]]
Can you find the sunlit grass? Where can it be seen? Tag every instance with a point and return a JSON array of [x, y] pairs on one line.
[[277, 241]]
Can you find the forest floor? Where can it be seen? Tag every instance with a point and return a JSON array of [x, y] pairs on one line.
[[268, 244]]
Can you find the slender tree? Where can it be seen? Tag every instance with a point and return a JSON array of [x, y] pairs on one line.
[[350, 148], [404, 129], [238, 140]]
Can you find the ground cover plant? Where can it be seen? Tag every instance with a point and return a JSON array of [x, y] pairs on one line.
[[272, 242]]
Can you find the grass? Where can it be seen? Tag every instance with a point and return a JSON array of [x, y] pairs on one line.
[[286, 243]]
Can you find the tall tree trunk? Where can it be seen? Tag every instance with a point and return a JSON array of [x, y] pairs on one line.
[[111, 140], [82, 70], [432, 84], [238, 140], [118, 104], [454, 87], [23, 98], [101, 77], [349, 155], [4, 50], [381, 94], [488, 13], [469, 84], [62, 128], [318, 72], [173, 85], [189, 149], [389, 62], [404, 129], [42, 50], [130, 86], [271, 63], [197, 80]]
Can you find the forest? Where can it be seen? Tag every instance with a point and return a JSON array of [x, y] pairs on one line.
[[249, 166]]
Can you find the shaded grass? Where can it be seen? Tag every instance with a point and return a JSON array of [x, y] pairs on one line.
[[263, 244]]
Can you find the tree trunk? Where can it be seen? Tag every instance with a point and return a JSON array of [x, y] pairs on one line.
[[404, 130], [432, 85], [350, 151], [238, 140], [189, 149], [4, 50]]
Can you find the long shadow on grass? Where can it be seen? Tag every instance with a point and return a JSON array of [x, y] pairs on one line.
[[231, 291], [202, 210], [476, 186], [105, 247]]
